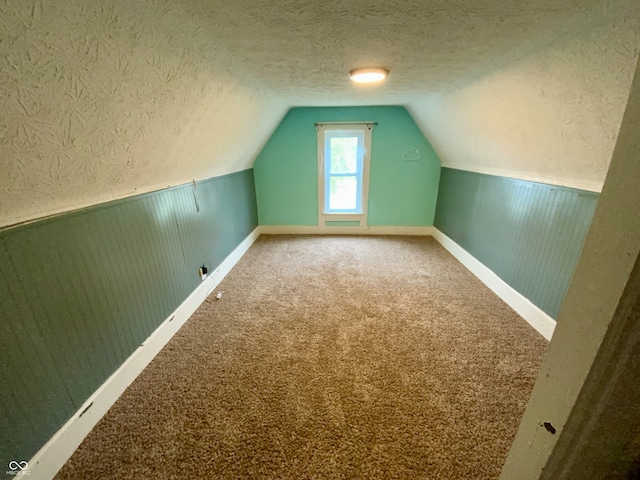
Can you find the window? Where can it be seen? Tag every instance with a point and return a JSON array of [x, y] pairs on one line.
[[343, 167]]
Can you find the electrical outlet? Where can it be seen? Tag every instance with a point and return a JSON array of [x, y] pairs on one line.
[[203, 272]]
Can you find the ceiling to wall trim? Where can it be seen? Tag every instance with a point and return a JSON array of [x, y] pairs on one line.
[[498, 172]]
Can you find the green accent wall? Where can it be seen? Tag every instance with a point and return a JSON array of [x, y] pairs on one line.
[[529, 234], [402, 188], [81, 291]]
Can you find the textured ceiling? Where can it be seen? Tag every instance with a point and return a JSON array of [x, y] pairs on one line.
[[103, 100], [303, 49], [552, 116]]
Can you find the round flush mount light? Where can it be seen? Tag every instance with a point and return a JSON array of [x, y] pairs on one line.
[[368, 74]]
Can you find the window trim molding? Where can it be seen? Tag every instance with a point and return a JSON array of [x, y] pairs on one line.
[[321, 128]]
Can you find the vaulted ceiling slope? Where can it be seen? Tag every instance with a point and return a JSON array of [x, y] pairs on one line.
[[551, 115], [102, 100]]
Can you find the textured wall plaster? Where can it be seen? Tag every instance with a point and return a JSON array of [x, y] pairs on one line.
[[102, 100], [552, 116], [107, 99]]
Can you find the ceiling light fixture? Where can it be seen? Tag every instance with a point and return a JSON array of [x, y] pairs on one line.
[[368, 74]]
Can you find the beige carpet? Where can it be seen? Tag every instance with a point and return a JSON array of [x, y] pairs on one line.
[[328, 358]]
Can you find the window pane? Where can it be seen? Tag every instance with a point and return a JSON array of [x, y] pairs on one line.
[[344, 155], [343, 193]]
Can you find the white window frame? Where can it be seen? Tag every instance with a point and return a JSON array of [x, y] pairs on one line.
[[323, 216]]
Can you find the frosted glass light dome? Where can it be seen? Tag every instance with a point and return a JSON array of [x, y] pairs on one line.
[[368, 74]]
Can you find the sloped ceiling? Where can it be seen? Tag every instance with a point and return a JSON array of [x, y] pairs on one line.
[[103, 100], [551, 116]]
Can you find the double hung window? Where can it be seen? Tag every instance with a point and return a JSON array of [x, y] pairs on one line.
[[343, 167]]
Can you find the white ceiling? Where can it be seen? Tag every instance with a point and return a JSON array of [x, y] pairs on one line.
[[103, 100], [552, 116], [303, 49]]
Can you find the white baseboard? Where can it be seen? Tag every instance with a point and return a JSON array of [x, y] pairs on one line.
[[54, 454], [331, 230], [538, 319]]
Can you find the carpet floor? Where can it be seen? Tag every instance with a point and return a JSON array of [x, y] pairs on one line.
[[328, 358]]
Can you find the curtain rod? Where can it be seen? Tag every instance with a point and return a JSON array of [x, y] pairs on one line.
[[319, 124]]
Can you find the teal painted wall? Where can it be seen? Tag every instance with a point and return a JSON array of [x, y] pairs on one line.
[[81, 291], [530, 234], [401, 192]]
